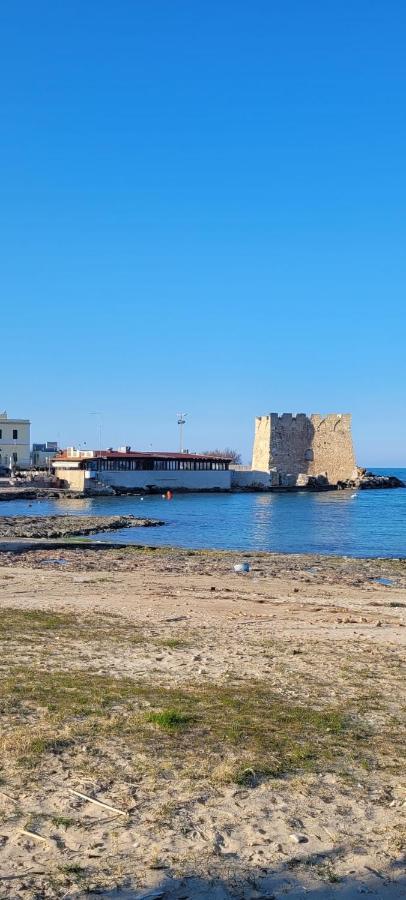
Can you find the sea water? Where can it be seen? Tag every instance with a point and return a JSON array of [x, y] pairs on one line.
[[351, 523]]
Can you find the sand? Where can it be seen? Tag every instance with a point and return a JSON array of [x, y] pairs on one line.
[[202, 816]]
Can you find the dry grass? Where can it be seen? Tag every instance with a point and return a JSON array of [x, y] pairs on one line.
[[235, 732], [189, 728]]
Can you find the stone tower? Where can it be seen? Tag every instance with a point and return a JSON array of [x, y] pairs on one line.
[[313, 445]]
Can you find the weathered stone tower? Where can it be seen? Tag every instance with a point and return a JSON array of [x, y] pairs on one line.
[[312, 445]]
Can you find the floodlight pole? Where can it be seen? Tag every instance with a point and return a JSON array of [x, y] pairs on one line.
[[181, 423]]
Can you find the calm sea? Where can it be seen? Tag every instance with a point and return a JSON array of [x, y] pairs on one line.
[[362, 523]]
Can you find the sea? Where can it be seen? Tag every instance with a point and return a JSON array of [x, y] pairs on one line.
[[345, 523]]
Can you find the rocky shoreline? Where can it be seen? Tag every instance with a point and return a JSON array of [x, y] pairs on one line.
[[38, 493], [370, 481], [23, 527]]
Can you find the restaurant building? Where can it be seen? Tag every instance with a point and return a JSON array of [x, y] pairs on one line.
[[126, 470]]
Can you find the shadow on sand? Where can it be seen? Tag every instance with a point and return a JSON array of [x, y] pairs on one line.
[[310, 876]]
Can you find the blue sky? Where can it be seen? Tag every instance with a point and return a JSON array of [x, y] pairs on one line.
[[202, 208]]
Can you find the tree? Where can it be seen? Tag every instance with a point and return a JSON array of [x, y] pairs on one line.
[[234, 455]]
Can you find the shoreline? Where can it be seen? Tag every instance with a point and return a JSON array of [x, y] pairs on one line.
[[21, 545]]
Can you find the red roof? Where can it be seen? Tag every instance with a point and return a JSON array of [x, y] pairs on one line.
[[136, 454]]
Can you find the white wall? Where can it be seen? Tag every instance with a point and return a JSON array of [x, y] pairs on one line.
[[184, 479], [249, 478], [9, 445]]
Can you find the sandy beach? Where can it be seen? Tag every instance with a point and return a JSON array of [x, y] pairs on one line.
[[244, 731]]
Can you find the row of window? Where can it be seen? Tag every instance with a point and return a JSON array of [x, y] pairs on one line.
[[15, 434], [163, 465]]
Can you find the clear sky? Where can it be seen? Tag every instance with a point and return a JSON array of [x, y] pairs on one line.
[[202, 208]]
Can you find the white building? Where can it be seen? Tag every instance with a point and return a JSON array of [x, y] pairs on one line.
[[127, 470], [14, 442]]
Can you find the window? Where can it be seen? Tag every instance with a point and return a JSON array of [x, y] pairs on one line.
[[1, 433], [15, 434], [309, 456], [14, 457]]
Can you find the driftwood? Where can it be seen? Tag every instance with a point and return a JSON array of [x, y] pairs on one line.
[[33, 834], [120, 812]]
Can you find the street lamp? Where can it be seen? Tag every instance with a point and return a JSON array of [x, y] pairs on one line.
[[181, 423]]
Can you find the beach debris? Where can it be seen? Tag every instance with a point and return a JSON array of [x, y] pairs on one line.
[[120, 812], [54, 559], [298, 838], [241, 567], [33, 834]]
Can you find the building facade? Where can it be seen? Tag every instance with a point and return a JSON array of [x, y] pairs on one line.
[[305, 445], [14, 442], [127, 470], [43, 454]]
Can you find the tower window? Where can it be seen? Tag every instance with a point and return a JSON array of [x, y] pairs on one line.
[[309, 455]]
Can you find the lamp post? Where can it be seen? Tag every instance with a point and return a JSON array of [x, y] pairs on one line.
[[181, 423]]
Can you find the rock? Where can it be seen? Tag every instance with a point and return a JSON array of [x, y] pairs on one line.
[[365, 480]]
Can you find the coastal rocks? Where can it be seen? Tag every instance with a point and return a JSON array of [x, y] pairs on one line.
[[369, 481], [14, 527], [365, 480], [16, 492]]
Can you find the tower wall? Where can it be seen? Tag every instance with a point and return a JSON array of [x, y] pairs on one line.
[[313, 445], [261, 453]]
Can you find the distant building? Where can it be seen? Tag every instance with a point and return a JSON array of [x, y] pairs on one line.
[[43, 454], [14, 442], [127, 470]]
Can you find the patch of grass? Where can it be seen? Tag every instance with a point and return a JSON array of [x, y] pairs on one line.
[[170, 719], [73, 869], [63, 822], [28, 623], [236, 732], [327, 873], [31, 625], [171, 643]]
